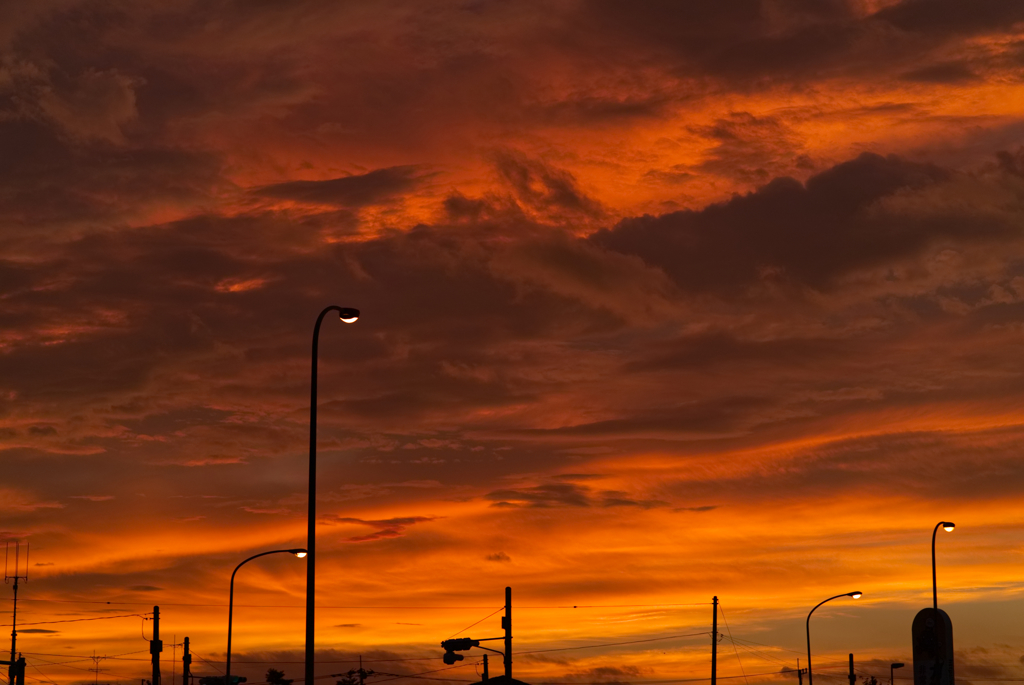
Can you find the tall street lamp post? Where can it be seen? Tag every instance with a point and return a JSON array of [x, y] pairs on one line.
[[856, 594], [893, 667], [947, 526], [348, 315], [300, 553]]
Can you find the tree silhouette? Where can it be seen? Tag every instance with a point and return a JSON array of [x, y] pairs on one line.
[[276, 677]]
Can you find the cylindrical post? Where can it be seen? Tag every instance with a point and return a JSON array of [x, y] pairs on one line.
[[935, 586], [186, 663], [311, 511], [14, 618], [156, 646], [810, 672], [800, 674], [347, 315], [852, 676], [487, 675], [714, 639], [507, 624]]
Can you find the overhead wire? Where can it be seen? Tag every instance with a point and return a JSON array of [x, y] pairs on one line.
[[70, 620], [478, 622], [757, 653], [614, 644], [428, 606], [738, 660]]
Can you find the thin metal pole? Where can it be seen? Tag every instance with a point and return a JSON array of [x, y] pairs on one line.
[[311, 514], [810, 676], [852, 676], [156, 646], [508, 632], [186, 663], [714, 639], [231, 604], [935, 586], [14, 617]]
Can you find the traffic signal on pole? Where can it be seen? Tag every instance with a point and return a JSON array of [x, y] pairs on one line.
[[459, 644]]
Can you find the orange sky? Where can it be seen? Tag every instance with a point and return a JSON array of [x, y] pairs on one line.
[[661, 301]]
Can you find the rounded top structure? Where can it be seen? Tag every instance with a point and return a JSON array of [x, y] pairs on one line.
[[348, 314], [300, 553], [948, 526], [856, 594]]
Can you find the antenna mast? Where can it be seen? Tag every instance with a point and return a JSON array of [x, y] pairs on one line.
[[16, 577]]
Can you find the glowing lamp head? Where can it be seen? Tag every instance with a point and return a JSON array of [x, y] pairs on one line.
[[300, 553], [948, 526], [348, 315], [857, 594]]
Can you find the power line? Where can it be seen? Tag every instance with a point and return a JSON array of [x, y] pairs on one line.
[[478, 622], [738, 660], [430, 606], [72, 620], [613, 644]]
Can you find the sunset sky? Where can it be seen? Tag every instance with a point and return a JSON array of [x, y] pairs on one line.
[[660, 300]]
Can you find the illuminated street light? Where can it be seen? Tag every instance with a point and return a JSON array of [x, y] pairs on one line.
[[300, 553], [947, 526], [348, 315], [856, 594]]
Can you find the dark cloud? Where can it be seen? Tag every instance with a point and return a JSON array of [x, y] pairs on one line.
[[947, 72], [542, 187], [809, 233], [949, 17], [498, 557], [385, 528], [565, 495], [361, 190]]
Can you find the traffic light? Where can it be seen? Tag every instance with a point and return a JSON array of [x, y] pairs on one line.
[[459, 644]]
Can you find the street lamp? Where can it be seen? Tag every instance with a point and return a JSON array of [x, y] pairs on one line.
[[856, 594], [893, 667], [300, 553], [348, 315], [947, 526]]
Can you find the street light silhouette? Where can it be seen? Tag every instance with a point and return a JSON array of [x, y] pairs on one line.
[[947, 526], [300, 553], [894, 666], [856, 594], [348, 315]]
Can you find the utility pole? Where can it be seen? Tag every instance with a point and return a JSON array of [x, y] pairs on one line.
[[800, 673], [714, 639], [11, 675], [852, 676], [487, 675], [506, 623], [186, 663], [156, 646], [16, 670]]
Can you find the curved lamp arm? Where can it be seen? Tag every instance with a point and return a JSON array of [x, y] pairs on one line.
[[299, 552], [856, 594], [348, 315], [948, 526]]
